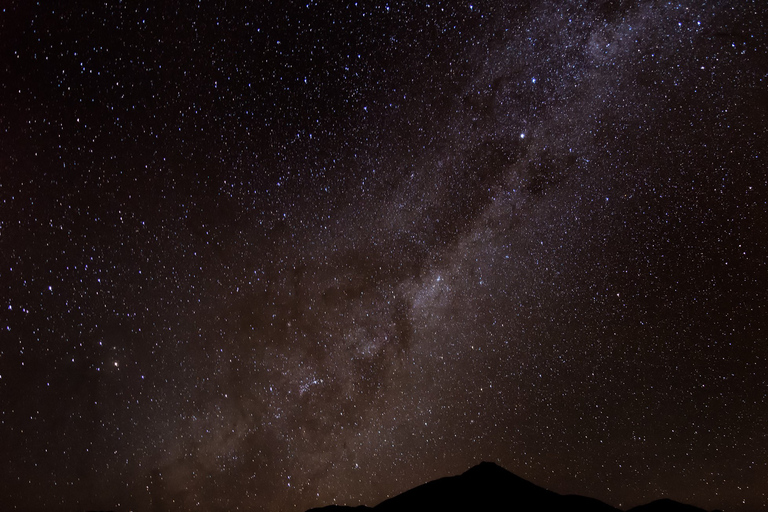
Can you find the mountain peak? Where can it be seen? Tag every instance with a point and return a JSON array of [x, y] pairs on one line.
[[490, 473], [489, 487], [486, 467], [486, 486]]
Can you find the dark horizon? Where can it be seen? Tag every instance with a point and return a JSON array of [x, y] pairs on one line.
[[264, 256]]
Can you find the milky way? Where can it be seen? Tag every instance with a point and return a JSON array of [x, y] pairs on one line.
[[271, 257]]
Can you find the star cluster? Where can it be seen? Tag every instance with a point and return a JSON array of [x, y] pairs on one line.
[[282, 255]]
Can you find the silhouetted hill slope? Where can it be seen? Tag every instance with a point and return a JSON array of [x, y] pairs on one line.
[[488, 487], [666, 505], [340, 508]]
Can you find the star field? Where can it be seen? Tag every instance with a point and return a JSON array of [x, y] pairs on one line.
[[275, 256]]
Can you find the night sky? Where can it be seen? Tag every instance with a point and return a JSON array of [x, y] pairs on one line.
[[272, 256]]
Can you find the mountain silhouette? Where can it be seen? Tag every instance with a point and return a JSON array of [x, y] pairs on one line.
[[490, 488]]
